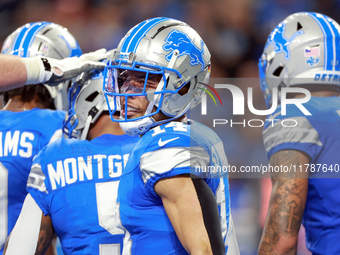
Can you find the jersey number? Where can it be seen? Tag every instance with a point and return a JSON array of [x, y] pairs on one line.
[[106, 193], [176, 126]]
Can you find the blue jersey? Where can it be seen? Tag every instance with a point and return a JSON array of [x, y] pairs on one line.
[[22, 135], [165, 151], [75, 182], [317, 135]]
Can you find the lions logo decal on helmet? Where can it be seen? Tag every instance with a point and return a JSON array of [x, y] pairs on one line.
[[277, 37], [180, 41]]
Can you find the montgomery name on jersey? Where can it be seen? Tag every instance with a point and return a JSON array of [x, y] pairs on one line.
[[22, 135], [83, 175], [318, 136], [165, 151]]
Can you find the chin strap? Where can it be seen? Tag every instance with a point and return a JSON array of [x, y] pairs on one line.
[[92, 115], [86, 128], [161, 84], [137, 127], [141, 126]]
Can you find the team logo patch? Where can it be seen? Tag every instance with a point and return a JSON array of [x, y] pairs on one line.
[[312, 61], [280, 42], [180, 41]]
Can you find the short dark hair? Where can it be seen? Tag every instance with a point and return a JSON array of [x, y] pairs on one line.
[[31, 92]]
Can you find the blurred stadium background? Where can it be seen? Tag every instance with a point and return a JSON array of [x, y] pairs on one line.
[[235, 33]]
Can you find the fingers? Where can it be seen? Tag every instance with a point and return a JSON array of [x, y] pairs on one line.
[[92, 65], [69, 68], [94, 56]]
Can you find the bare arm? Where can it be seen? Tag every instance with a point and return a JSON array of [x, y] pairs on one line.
[[52, 250], [183, 208], [47, 238], [287, 204], [12, 72], [16, 71]]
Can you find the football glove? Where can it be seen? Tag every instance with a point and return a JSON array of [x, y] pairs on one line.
[[53, 71]]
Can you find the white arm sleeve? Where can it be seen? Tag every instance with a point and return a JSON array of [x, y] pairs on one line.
[[24, 236]]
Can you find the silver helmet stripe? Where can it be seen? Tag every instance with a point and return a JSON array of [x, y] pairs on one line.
[[328, 43], [132, 41]]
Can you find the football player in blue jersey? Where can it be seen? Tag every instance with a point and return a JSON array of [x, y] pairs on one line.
[[303, 52], [73, 183], [168, 203], [28, 123]]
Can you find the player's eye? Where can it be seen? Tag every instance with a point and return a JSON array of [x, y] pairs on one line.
[[127, 87], [154, 77], [120, 81]]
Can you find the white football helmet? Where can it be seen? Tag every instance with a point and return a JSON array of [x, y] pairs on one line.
[[44, 39], [87, 103], [174, 52], [302, 50]]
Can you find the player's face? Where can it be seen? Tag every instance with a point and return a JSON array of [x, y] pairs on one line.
[[132, 82]]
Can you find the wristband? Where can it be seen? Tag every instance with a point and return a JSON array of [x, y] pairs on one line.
[[38, 70]]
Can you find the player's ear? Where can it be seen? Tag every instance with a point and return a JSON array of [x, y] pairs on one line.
[[184, 90]]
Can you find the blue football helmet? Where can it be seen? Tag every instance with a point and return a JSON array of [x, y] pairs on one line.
[[44, 39], [304, 49], [162, 50]]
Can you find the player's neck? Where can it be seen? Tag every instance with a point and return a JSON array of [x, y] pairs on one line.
[[16, 105], [324, 93], [104, 125]]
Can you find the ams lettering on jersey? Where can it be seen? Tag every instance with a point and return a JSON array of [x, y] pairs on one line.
[[16, 143]]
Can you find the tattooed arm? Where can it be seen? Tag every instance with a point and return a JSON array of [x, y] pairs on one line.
[[47, 238], [287, 204]]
